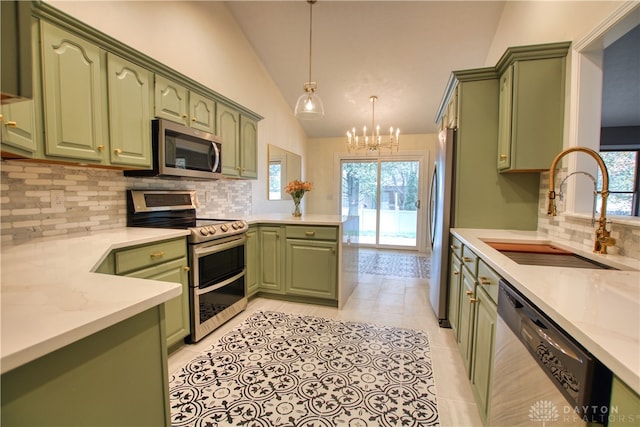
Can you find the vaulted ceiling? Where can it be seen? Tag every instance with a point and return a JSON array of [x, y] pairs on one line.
[[401, 51]]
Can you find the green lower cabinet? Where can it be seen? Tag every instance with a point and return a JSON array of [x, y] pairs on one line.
[[251, 277], [467, 315], [483, 343], [271, 259], [454, 292], [114, 377], [624, 409], [176, 309], [311, 268]]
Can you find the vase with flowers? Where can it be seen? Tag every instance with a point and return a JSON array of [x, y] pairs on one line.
[[297, 189]]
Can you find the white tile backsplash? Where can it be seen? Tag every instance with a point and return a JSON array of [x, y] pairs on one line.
[[94, 198]]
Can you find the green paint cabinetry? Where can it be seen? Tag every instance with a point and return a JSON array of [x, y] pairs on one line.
[[19, 129], [166, 261], [625, 405], [467, 315], [176, 103], [484, 336], [252, 253], [239, 135], [312, 263], [130, 99], [74, 96], [15, 43], [455, 270], [116, 376], [271, 259], [531, 117]]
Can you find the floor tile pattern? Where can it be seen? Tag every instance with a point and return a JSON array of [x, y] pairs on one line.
[[279, 369], [398, 265]]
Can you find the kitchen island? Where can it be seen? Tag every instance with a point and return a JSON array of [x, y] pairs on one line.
[[79, 347], [599, 308]]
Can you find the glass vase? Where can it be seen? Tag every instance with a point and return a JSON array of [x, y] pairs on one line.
[[296, 204]]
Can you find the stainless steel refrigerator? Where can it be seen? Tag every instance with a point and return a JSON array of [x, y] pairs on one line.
[[440, 219]]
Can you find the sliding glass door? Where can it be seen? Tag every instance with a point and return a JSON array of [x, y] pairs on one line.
[[384, 195]]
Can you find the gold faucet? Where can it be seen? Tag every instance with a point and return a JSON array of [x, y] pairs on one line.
[[603, 236]]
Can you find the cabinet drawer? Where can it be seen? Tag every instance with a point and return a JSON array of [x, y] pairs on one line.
[[456, 246], [470, 260], [149, 255], [488, 279], [311, 232]]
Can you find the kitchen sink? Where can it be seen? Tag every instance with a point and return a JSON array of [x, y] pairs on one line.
[[545, 254]]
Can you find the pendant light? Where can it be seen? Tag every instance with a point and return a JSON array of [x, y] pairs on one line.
[[309, 105]]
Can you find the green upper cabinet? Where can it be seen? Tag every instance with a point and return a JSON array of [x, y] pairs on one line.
[[74, 96], [531, 114], [202, 113], [171, 101], [239, 135], [130, 97], [248, 147], [176, 103], [15, 42], [18, 134], [228, 125]]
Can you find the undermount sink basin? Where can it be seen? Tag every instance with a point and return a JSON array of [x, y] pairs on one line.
[[545, 254]]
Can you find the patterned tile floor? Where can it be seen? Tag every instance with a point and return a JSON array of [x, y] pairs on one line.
[[379, 300]]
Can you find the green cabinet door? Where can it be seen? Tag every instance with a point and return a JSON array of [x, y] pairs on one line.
[[228, 126], [454, 292], [253, 262], [311, 268], [248, 147], [202, 113], [74, 96], [18, 133], [271, 260], [176, 309], [467, 311], [130, 98], [625, 405], [483, 342], [171, 101], [504, 119]]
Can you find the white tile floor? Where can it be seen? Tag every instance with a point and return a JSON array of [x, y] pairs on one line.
[[382, 300]]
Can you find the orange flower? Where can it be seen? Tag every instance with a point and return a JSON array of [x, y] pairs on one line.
[[297, 188]]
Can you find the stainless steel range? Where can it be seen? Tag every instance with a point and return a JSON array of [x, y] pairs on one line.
[[216, 254]]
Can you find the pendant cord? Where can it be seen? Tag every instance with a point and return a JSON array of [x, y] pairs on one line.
[[311, 2]]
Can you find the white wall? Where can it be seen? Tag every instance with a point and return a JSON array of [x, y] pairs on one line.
[[211, 49]]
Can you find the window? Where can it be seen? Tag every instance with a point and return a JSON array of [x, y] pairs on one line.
[[623, 182]]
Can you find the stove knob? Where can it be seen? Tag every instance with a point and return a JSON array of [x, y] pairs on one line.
[[224, 228], [203, 231], [212, 229], [235, 226]]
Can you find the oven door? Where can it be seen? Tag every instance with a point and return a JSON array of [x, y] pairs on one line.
[[218, 284]]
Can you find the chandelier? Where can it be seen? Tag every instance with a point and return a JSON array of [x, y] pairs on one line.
[[375, 141], [309, 105]]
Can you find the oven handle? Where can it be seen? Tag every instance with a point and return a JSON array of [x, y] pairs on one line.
[[200, 291], [218, 247]]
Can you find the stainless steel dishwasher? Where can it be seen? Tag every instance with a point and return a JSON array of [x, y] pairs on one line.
[[541, 374]]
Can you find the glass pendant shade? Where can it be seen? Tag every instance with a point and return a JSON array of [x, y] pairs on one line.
[[309, 106]]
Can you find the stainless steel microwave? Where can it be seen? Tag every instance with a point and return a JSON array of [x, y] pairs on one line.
[[180, 151]]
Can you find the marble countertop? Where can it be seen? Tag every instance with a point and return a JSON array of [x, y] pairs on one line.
[[51, 297], [288, 219], [599, 308]]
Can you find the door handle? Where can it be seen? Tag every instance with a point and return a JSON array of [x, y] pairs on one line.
[[417, 204]]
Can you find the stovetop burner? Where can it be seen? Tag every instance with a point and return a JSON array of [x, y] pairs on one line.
[[177, 209]]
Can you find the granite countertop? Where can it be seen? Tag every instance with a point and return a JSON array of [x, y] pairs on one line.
[[51, 297], [599, 308]]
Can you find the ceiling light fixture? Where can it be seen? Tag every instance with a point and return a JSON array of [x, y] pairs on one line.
[[374, 142], [309, 105]]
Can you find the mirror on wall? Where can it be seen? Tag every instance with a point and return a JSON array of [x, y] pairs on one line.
[[284, 167]]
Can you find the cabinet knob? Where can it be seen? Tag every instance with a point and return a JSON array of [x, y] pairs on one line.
[[473, 300], [469, 293], [11, 124], [117, 150], [100, 147], [193, 119], [467, 259], [309, 233], [184, 116], [503, 156], [455, 273], [186, 268], [455, 247], [484, 281], [157, 254]]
